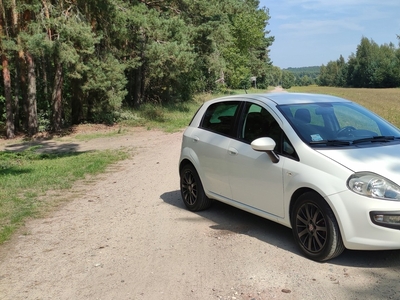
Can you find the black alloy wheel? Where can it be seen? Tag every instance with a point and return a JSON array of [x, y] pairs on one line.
[[315, 228], [192, 191]]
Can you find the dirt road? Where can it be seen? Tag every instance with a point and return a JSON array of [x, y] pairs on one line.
[[127, 235]]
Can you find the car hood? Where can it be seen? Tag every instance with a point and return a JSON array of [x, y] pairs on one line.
[[382, 160]]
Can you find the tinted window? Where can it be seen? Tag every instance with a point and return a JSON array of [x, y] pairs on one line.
[[258, 122], [220, 117]]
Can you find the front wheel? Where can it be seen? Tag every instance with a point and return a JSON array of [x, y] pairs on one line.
[[192, 190], [315, 228]]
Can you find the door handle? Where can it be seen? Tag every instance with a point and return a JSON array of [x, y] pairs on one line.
[[232, 151], [196, 139]]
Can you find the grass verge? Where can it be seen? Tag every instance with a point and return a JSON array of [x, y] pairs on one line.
[[170, 117], [27, 175]]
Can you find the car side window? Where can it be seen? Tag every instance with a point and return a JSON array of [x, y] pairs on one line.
[[220, 117], [258, 122]]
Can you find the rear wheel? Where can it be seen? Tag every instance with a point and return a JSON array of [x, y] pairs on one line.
[[192, 190], [315, 228]]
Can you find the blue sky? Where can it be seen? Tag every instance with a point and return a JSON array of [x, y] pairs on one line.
[[314, 32]]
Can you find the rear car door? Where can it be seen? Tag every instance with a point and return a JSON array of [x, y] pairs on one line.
[[212, 140]]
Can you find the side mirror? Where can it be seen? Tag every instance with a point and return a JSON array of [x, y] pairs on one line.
[[266, 144]]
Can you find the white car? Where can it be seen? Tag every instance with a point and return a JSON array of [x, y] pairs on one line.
[[321, 165]]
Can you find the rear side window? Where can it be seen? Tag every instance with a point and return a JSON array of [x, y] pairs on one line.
[[220, 117]]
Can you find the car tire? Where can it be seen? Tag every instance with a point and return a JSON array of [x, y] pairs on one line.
[[192, 191], [315, 228]]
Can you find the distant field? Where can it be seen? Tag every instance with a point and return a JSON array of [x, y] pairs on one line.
[[384, 102]]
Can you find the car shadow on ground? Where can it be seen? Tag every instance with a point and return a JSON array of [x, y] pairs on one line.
[[228, 218]]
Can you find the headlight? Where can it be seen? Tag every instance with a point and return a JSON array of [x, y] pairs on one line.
[[374, 186]]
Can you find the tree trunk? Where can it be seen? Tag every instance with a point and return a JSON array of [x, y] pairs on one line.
[[137, 95], [57, 98], [142, 83], [32, 106], [10, 129], [89, 113], [23, 89], [129, 97], [47, 14], [16, 95], [76, 103], [17, 90], [46, 68], [139, 73]]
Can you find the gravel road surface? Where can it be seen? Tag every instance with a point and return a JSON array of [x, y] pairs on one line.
[[127, 235]]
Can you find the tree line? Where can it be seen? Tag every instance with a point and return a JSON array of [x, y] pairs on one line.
[[304, 76], [372, 66], [70, 61]]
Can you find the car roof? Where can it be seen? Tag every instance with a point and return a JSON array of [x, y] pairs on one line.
[[287, 98]]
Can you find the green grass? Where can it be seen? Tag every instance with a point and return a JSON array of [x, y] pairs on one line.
[[28, 175], [169, 117]]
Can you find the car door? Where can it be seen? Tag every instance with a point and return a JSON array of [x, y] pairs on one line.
[[212, 140], [254, 179]]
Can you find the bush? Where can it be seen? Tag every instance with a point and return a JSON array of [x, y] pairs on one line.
[[152, 112]]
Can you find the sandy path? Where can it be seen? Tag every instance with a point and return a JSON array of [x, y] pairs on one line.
[[127, 236]]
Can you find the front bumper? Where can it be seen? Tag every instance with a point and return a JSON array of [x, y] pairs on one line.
[[366, 223]]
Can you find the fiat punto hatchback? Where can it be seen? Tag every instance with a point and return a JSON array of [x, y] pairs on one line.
[[324, 166]]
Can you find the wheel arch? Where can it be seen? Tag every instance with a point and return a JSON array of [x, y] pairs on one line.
[[185, 162], [188, 156], [297, 194], [339, 211]]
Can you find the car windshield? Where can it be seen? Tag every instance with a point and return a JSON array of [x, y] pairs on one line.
[[338, 124]]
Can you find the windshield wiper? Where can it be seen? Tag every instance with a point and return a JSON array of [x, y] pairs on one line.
[[331, 143], [375, 139]]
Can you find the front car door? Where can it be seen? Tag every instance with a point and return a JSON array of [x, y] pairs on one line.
[[254, 179]]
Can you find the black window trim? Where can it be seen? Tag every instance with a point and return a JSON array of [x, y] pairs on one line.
[[238, 124], [282, 137]]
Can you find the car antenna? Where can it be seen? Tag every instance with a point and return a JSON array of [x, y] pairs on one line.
[[245, 89]]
